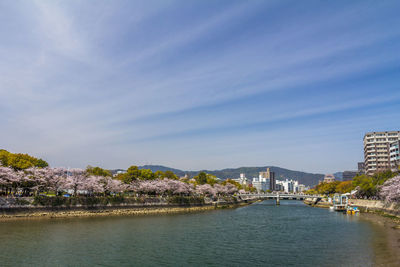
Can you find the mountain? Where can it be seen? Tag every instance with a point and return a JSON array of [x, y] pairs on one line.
[[309, 179]]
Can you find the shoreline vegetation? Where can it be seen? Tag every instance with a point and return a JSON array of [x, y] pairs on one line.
[[29, 187]]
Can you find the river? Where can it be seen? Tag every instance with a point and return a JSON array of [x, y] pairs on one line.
[[261, 234]]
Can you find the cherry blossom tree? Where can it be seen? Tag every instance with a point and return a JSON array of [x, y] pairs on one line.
[[93, 184], [75, 180], [7, 177], [206, 189], [60, 179], [230, 188], [114, 186], [390, 190]]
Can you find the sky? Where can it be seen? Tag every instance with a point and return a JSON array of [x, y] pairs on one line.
[[198, 84]]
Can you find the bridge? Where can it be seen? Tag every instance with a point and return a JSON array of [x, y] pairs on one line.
[[278, 196]]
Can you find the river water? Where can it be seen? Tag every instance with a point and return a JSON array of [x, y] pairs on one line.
[[261, 234]]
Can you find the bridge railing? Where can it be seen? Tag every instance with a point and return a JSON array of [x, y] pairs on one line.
[[281, 195]]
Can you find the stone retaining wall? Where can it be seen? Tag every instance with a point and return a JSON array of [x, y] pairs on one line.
[[14, 210], [376, 206]]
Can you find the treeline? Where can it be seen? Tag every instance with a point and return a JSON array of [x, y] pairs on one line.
[[29, 176], [383, 185]]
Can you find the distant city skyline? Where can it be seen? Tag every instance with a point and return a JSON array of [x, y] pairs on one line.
[[198, 84]]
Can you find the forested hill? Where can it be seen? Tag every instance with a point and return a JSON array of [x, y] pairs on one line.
[[281, 173]]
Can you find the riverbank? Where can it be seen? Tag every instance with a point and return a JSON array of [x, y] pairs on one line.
[[117, 210], [377, 207]]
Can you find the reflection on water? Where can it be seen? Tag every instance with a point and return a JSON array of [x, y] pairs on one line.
[[257, 235]]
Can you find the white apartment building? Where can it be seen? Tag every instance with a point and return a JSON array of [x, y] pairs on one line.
[[265, 181], [394, 155], [242, 180], [291, 186], [376, 150], [261, 183], [287, 185]]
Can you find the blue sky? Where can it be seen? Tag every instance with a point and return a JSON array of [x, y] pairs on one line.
[[198, 84]]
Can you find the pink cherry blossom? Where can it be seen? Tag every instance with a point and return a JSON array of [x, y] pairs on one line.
[[390, 190]]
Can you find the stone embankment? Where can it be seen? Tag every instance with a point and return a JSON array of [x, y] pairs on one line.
[[364, 205], [11, 208], [376, 206]]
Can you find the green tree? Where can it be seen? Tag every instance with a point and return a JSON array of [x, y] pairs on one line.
[[159, 175], [201, 178], [132, 174], [41, 163], [4, 154], [97, 171], [211, 179], [365, 186], [20, 161], [344, 187], [311, 191], [237, 184], [146, 174], [327, 188], [170, 175], [368, 186]]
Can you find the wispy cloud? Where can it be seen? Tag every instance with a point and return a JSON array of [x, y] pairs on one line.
[[197, 84]]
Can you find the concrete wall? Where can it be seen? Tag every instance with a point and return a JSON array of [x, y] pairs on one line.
[[376, 205]]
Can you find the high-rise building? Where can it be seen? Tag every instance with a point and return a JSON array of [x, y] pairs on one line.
[[394, 155], [265, 181], [270, 176], [290, 186], [376, 150]]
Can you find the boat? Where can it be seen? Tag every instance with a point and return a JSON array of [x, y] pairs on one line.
[[352, 210], [340, 202]]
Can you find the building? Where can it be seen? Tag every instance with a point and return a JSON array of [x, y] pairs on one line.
[[269, 175], [286, 185], [265, 181], [279, 186], [290, 186], [261, 184], [361, 167], [376, 150], [394, 155], [349, 175], [329, 178], [242, 180], [302, 188]]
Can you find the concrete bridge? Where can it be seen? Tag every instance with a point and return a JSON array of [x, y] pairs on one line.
[[278, 196]]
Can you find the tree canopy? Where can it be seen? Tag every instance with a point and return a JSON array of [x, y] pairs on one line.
[[97, 171], [19, 161]]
